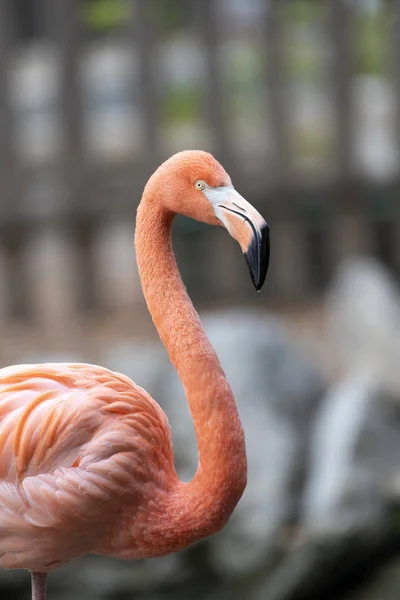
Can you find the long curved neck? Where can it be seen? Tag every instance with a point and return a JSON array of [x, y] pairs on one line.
[[204, 505]]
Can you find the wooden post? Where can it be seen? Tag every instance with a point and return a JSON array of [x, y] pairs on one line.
[[340, 34], [278, 114], [395, 68], [144, 37], [216, 107], [65, 27], [64, 22], [7, 155]]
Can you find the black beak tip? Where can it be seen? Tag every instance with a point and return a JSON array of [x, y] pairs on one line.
[[257, 257]]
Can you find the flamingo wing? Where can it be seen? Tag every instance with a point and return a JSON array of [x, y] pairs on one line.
[[76, 443]]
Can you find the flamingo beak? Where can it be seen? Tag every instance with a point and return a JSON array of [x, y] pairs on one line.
[[245, 225]]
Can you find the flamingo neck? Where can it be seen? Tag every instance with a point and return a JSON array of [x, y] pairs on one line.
[[202, 506]]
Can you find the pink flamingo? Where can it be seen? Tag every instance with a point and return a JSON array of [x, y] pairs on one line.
[[86, 460]]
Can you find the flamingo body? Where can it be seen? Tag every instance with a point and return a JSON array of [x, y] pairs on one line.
[[80, 447], [86, 459]]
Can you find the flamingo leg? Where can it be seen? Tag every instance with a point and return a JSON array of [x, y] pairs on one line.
[[39, 581]]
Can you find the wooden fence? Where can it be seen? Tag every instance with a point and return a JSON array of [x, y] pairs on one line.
[[66, 221]]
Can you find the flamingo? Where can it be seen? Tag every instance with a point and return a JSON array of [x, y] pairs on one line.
[[86, 457]]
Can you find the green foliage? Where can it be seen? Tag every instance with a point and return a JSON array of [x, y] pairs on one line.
[[303, 60], [371, 33], [181, 104], [303, 12], [311, 143], [304, 23], [105, 15], [168, 15]]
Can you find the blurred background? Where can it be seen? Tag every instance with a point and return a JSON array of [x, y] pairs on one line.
[[299, 100]]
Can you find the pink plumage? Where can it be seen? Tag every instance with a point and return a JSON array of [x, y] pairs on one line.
[[86, 459], [77, 442]]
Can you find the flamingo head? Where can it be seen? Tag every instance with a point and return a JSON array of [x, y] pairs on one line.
[[194, 184]]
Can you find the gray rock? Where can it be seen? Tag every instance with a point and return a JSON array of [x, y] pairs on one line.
[[385, 585], [325, 567], [363, 307], [355, 442], [355, 446]]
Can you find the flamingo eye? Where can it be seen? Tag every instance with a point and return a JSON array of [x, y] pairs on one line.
[[199, 185]]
